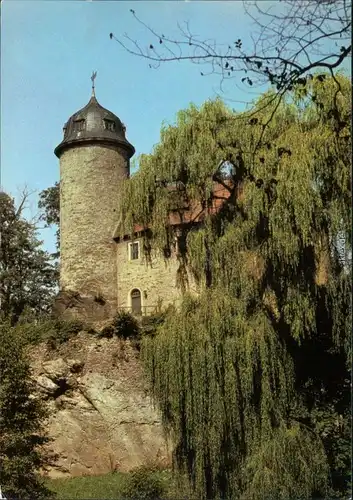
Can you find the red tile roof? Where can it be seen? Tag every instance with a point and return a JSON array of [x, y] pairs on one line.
[[195, 213]]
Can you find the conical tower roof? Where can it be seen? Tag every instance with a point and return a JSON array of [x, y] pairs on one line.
[[93, 123]]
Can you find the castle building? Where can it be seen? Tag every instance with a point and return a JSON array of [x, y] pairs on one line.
[[96, 266]]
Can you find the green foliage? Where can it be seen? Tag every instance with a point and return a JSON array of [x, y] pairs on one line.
[[28, 275], [62, 331], [240, 412], [326, 394], [21, 423], [49, 203], [52, 331], [124, 326], [110, 486], [251, 376], [105, 486], [150, 324], [144, 484]]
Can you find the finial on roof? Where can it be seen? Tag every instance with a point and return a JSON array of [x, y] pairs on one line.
[[93, 77]]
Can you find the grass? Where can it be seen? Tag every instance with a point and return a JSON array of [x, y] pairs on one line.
[[106, 486]]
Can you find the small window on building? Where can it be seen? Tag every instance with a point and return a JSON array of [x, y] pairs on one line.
[[109, 125], [79, 125], [134, 249]]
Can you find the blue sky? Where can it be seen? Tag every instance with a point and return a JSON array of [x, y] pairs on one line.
[[48, 52]]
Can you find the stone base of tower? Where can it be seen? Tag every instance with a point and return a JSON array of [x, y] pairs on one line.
[[70, 305]]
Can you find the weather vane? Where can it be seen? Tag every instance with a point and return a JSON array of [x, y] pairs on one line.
[[93, 77]]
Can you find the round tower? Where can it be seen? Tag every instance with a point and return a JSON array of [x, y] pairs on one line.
[[94, 158]]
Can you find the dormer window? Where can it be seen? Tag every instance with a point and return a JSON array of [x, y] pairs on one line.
[[79, 125], [109, 125]]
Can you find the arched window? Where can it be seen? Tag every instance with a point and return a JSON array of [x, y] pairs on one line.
[[136, 301]]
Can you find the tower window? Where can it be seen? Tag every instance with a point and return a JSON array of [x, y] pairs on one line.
[[109, 125], [79, 125], [134, 250]]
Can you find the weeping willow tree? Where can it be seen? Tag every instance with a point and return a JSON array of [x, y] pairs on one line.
[[252, 375]]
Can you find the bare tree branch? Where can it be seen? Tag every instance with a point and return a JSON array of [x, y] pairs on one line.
[[24, 196], [291, 43], [292, 40]]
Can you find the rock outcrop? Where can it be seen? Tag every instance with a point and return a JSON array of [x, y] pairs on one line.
[[101, 416], [88, 308]]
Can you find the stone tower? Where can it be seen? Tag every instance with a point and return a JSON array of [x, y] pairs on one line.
[[94, 158]]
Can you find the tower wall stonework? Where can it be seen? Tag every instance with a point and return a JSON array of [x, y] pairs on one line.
[[90, 182]]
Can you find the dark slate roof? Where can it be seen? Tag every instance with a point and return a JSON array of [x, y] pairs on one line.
[[93, 123]]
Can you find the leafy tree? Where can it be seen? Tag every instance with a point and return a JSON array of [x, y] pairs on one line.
[[28, 276], [252, 376], [22, 416], [49, 203]]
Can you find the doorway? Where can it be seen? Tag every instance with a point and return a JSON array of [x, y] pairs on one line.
[[136, 301]]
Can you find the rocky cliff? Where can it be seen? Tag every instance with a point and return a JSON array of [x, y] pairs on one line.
[[101, 416]]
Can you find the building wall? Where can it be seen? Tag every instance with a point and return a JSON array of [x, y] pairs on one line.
[[90, 179], [156, 281]]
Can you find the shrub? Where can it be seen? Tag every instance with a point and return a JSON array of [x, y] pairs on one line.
[[151, 323], [53, 332], [125, 325], [64, 330], [106, 332], [143, 483]]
